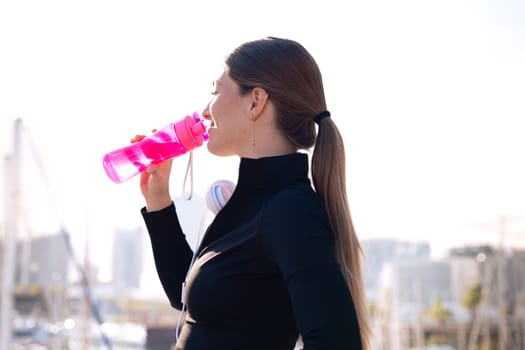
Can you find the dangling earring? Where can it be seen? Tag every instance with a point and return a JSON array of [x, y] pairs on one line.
[[254, 133]]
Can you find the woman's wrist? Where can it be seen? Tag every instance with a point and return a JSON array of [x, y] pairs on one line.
[[156, 204]]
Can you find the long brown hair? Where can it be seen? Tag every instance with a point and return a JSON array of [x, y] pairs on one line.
[[294, 83]]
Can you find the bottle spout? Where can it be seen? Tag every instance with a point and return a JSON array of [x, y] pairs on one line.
[[191, 131], [200, 128]]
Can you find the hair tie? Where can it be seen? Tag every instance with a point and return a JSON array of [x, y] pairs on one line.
[[321, 116]]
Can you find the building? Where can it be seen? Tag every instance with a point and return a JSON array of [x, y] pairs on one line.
[[381, 252], [128, 257], [42, 261]]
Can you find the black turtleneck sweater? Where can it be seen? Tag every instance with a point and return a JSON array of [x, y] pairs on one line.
[[265, 270]]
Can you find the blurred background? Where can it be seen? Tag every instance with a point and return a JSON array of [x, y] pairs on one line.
[[429, 99]]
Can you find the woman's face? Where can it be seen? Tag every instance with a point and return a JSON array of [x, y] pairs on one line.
[[231, 124]]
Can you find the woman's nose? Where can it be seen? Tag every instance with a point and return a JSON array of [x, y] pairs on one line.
[[206, 112]]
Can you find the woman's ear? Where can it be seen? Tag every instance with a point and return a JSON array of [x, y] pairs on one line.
[[259, 97]]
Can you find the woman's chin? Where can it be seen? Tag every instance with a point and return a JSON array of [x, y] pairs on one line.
[[212, 148], [216, 150]]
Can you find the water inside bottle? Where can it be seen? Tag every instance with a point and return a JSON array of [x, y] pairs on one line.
[[122, 164]]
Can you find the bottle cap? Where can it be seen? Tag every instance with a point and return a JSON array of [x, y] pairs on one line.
[[191, 131]]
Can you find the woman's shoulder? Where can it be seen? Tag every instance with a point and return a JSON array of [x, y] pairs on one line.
[[296, 209], [299, 195], [295, 228]]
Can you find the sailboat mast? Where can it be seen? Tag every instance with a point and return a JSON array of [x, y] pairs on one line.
[[12, 208]]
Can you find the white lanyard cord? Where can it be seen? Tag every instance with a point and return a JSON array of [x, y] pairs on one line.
[[189, 170]]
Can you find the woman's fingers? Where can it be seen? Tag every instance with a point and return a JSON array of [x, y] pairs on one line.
[[137, 138], [152, 170]]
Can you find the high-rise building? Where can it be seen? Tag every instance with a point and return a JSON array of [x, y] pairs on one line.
[[128, 257], [469, 266], [41, 275], [42, 261], [516, 281], [418, 284], [380, 252]]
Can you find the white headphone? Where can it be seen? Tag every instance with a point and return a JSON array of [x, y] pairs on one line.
[[218, 195]]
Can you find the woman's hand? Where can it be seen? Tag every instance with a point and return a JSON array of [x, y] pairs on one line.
[[154, 183]]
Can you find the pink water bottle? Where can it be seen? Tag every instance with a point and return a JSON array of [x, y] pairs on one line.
[[171, 141]]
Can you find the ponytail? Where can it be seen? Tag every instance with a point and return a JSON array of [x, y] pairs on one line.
[[329, 178]]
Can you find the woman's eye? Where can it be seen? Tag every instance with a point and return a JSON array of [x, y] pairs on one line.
[[213, 92]]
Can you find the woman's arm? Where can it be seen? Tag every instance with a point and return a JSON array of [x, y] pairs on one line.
[[171, 251], [298, 239]]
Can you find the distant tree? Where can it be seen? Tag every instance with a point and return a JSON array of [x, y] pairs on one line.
[[372, 309], [436, 340], [472, 299], [439, 312], [385, 310]]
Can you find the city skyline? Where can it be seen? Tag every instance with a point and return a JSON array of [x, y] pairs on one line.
[[136, 272], [404, 285]]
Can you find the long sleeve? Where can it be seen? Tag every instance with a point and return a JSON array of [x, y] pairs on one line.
[[171, 252], [297, 238]]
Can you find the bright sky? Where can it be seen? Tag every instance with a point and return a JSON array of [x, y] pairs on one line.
[[429, 96]]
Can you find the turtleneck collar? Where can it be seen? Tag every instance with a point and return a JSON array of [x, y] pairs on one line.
[[272, 171]]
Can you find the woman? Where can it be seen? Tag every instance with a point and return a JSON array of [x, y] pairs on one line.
[[281, 259]]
